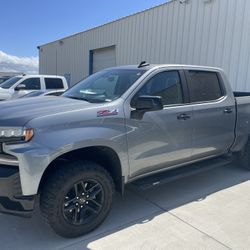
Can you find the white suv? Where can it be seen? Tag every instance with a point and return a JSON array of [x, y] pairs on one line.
[[20, 85]]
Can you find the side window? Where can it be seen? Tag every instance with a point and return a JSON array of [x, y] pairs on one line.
[[204, 86], [166, 84], [31, 84], [53, 83]]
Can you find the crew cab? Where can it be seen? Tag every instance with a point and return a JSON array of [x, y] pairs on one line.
[[20, 85], [115, 127]]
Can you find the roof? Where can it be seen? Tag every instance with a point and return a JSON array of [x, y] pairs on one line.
[[27, 75], [116, 20], [151, 66]]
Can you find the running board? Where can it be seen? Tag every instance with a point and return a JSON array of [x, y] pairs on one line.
[[180, 172]]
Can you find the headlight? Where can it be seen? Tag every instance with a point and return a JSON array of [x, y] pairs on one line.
[[16, 134]]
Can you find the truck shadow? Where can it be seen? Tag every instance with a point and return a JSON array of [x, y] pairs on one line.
[[136, 207]]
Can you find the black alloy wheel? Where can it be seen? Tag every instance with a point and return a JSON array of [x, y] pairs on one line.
[[76, 198], [83, 202]]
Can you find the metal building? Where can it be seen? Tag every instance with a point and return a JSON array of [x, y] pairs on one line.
[[201, 32]]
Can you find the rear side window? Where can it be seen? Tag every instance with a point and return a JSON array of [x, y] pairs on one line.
[[204, 86], [53, 83]]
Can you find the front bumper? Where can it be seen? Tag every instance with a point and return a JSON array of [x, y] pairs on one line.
[[11, 199]]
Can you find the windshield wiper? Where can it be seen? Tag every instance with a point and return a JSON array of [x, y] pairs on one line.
[[90, 100], [78, 98]]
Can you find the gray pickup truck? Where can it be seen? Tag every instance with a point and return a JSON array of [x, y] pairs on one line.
[[71, 153]]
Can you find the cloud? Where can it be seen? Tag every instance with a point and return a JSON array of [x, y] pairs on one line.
[[9, 63]]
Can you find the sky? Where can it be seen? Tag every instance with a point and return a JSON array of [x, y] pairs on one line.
[[25, 24]]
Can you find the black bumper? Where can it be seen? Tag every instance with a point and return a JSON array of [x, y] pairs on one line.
[[11, 199]]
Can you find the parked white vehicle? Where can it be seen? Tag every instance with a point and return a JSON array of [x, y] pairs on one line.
[[21, 85], [41, 93]]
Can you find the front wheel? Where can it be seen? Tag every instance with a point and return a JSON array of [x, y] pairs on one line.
[[77, 198]]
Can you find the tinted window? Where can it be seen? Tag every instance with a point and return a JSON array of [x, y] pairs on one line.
[[53, 83], [31, 83], [10, 82], [3, 79], [204, 86], [165, 84]]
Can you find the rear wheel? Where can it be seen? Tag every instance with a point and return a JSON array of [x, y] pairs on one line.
[[77, 198], [244, 157]]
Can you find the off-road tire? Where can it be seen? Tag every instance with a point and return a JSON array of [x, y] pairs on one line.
[[56, 187], [244, 157]]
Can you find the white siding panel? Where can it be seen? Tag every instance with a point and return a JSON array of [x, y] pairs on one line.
[[213, 33]]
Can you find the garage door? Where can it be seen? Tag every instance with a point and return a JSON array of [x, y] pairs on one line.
[[103, 58]]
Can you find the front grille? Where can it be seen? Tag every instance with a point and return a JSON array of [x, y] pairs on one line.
[[4, 155], [7, 158], [10, 140]]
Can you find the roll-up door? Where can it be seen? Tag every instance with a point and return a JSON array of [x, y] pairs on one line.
[[103, 58]]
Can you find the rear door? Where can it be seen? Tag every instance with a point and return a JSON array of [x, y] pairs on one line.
[[159, 139], [213, 113]]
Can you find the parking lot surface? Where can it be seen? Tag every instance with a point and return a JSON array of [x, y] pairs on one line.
[[210, 210]]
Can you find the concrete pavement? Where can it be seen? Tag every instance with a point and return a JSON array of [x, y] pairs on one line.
[[210, 210]]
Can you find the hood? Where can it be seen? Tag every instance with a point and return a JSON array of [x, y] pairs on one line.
[[5, 94], [19, 112]]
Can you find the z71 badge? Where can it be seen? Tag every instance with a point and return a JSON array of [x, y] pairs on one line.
[[107, 112]]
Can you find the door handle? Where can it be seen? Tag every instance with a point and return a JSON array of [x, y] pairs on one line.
[[228, 111], [183, 117]]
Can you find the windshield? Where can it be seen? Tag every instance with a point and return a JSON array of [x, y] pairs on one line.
[[10, 82], [104, 86], [4, 78]]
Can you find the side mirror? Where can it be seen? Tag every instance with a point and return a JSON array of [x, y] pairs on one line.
[[148, 103], [20, 87]]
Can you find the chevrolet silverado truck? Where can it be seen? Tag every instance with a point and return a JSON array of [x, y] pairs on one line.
[[71, 153]]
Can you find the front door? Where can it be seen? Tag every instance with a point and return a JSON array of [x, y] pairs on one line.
[[162, 138], [27, 86]]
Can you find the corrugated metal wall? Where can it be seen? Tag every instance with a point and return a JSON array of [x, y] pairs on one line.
[[203, 32]]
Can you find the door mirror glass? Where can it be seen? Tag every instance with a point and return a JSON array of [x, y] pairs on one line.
[[148, 103], [20, 87]]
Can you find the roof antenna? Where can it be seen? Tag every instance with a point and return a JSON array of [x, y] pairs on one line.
[[143, 64]]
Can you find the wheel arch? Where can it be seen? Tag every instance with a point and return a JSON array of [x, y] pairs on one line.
[[102, 155]]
